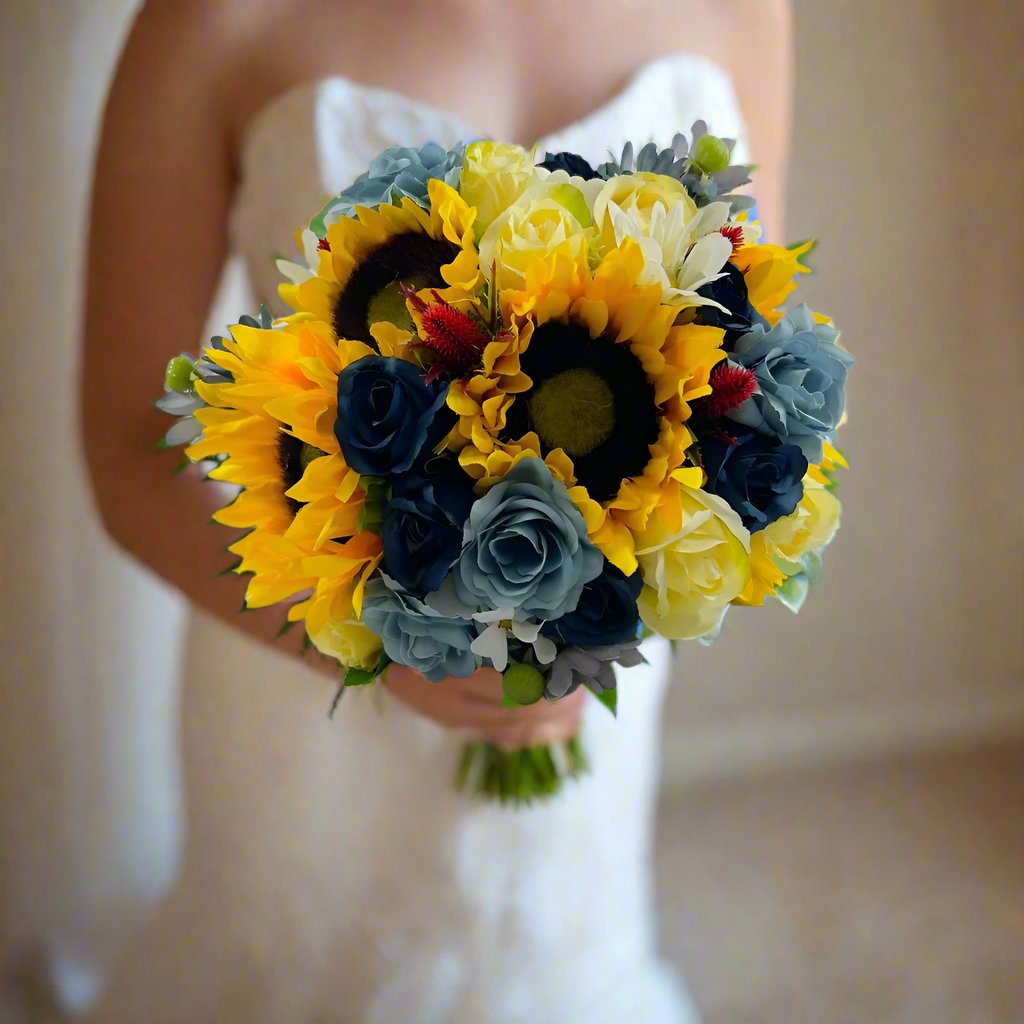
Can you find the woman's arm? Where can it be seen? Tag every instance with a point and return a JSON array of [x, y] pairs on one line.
[[162, 189], [161, 196], [759, 55]]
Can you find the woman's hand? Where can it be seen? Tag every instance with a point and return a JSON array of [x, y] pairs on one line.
[[473, 704]]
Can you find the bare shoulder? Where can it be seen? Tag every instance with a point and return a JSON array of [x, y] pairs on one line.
[[723, 30]]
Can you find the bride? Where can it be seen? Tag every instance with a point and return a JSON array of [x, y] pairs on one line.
[[330, 873]]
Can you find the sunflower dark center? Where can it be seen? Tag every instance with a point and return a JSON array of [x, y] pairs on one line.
[[373, 291], [591, 398], [293, 456], [573, 410]]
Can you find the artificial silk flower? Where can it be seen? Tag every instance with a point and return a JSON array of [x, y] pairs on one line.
[[494, 176], [551, 216], [695, 560], [519, 410], [682, 256], [502, 627]]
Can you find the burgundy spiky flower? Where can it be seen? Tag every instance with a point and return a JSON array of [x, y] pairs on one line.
[[455, 338], [731, 386], [324, 245], [734, 232]]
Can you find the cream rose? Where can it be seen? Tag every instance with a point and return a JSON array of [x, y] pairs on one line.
[[494, 176], [553, 214], [810, 528], [692, 569]]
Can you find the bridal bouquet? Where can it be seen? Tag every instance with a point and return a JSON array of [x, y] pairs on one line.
[[523, 414]]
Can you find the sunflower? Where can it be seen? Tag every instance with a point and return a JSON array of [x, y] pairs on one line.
[[596, 378], [365, 264], [769, 272], [270, 424]]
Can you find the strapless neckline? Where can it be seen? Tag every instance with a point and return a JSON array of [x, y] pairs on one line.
[[313, 139], [635, 84]]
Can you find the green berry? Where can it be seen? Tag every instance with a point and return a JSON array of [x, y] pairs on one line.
[[179, 374], [711, 154], [522, 684]]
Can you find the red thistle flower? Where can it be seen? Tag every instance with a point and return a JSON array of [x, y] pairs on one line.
[[455, 339], [731, 386], [734, 232], [324, 244]]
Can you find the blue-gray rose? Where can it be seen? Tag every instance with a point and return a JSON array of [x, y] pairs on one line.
[[801, 375], [395, 173], [388, 415], [526, 547], [435, 645]]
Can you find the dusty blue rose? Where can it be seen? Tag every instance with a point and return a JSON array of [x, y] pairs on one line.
[[387, 414], [396, 172], [435, 645], [801, 375], [526, 547]]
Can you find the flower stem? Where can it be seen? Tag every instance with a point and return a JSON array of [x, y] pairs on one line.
[[519, 776]]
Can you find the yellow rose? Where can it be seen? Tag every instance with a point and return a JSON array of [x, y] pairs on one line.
[[350, 642], [810, 528], [552, 215], [494, 176], [637, 195], [693, 565], [777, 550]]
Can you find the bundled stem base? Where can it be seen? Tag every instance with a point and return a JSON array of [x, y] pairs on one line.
[[518, 776]]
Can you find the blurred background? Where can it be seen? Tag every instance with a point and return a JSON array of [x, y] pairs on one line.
[[842, 834]]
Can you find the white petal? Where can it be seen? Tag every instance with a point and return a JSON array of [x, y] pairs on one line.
[[709, 219], [525, 631], [706, 259], [295, 272], [310, 247], [545, 649], [492, 644], [493, 615]]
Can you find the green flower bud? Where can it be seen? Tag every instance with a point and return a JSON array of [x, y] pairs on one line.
[[178, 376], [522, 684], [711, 154]]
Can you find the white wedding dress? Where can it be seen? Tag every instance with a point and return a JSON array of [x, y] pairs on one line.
[[330, 872]]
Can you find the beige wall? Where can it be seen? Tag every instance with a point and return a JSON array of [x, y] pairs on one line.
[[907, 156]]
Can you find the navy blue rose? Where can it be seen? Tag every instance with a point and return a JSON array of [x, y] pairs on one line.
[[422, 529], [575, 165], [606, 613], [760, 477], [388, 415], [730, 291]]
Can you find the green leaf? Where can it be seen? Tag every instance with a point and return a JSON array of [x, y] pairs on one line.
[[802, 259], [360, 676], [610, 699]]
